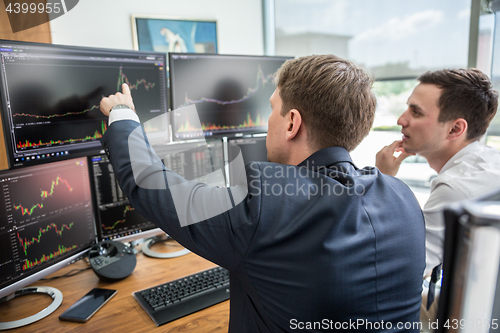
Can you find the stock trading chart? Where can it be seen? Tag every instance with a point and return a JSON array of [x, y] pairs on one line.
[[51, 94], [231, 93], [46, 213]]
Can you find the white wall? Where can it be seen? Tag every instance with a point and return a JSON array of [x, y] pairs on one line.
[[107, 23]]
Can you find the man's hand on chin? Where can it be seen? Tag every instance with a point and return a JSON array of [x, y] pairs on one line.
[[386, 162]]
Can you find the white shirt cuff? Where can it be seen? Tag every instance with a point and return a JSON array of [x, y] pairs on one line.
[[122, 114]]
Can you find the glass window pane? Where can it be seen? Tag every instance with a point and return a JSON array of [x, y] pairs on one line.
[[391, 102], [391, 38], [493, 138]]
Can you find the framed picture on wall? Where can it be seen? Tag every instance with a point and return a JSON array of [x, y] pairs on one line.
[[164, 34]]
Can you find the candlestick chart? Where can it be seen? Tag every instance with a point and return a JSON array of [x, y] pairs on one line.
[[56, 196], [26, 243], [121, 218], [47, 214], [45, 240], [116, 216]]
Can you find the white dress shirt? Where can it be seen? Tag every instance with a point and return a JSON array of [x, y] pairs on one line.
[[473, 171], [122, 114]]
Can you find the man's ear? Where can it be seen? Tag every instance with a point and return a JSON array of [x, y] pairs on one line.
[[458, 129], [294, 123]]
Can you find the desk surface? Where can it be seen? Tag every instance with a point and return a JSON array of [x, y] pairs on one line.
[[122, 312]]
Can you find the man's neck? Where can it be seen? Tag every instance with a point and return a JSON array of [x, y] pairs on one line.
[[438, 159], [300, 156], [297, 151]]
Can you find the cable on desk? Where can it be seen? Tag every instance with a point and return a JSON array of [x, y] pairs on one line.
[[70, 273]]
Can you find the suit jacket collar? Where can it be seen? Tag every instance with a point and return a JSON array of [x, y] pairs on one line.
[[327, 157]]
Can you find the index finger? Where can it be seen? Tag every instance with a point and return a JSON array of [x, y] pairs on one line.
[[396, 144], [126, 89]]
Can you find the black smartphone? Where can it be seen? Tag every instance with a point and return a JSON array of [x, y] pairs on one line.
[[86, 306]]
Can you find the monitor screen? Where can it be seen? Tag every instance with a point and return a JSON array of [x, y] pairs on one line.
[[231, 93], [116, 217], [197, 160], [252, 149], [51, 93], [46, 220]]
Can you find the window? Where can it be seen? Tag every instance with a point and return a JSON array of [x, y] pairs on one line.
[[391, 38], [493, 138], [394, 40], [392, 96]]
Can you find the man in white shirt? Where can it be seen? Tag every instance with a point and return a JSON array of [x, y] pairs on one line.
[[448, 112]]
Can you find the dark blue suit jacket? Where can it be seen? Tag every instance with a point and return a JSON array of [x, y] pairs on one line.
[[313, 247]]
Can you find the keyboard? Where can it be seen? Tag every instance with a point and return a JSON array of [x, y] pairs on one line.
[[178, 298]]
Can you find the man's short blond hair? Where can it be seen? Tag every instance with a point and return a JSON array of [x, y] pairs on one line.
[[333, 96]]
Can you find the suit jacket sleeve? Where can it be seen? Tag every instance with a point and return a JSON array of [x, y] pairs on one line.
[[216, 223]]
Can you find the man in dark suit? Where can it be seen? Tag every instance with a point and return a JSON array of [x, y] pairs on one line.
[[311, 242]]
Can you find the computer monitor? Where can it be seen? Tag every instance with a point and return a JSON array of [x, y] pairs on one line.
[[196, 160], [47, 221], [50, 97], [470, 292], [116, 217], [252, 149], [231, 93]]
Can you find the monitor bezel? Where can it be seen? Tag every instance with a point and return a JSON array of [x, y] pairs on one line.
[[76, 152]]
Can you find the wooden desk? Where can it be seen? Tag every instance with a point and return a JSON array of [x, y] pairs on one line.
[[122, 313]]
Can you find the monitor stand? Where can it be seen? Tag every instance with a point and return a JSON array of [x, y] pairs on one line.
[[161, 255], [57, 298]]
